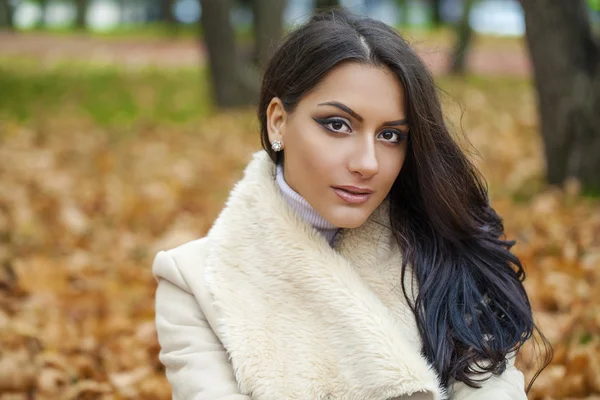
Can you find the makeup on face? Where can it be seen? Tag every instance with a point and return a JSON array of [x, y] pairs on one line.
[[346, 141]]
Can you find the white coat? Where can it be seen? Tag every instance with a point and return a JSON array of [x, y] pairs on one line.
[[264, 308]]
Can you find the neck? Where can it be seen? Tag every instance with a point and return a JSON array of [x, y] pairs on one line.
[[304, 209]]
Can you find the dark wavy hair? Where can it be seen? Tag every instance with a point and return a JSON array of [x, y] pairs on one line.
[[471, 309]]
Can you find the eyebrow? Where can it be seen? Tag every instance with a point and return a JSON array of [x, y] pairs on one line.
[[353, 113]]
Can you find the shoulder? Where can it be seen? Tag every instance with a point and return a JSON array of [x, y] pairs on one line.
[[182, 269], [187, 254], [183, 266]]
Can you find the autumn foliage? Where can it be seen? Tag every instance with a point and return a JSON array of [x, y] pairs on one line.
[[84, 206]]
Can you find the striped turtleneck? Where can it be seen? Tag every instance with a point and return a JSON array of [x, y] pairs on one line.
[[304, 209]]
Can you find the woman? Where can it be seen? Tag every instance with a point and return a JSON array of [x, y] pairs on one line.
[[358, 257]]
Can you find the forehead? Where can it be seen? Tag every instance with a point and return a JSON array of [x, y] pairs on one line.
[[372, 91]]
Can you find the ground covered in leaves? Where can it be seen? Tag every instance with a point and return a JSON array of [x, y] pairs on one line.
[[100, 168]]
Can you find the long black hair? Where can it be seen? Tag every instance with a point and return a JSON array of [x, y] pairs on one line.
[[471, 308]]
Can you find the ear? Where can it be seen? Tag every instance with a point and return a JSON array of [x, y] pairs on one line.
[[276, 118]]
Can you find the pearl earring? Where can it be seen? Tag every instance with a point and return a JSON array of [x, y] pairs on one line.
[[276, 146]]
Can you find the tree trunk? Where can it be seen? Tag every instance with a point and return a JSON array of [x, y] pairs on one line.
[[232, 86], [566, 68], [320, 4], [43, 10], [268, 27], [436, 12], [6, 15], [122, 9], [403, 7], [168, 17], [463, 41], [166, 10], [81, 12]]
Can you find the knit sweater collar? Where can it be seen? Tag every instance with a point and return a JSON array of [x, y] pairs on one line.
[[304, 209]]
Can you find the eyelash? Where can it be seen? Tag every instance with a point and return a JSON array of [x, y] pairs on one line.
[[326, 121]]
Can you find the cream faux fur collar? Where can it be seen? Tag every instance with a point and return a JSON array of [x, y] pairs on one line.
[[302, 320]]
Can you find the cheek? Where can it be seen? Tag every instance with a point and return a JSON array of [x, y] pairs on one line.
[[302, 139], [318, 171], [309, 158], [313, 149]]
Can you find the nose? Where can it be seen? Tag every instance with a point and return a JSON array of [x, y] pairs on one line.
[[364, 160]]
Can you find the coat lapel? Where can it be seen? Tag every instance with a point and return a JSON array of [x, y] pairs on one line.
[[301, 320]]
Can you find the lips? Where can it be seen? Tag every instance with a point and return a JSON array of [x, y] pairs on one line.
[[354, 189], [352, 194]]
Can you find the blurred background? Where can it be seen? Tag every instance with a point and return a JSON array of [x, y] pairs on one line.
[[125, 123]]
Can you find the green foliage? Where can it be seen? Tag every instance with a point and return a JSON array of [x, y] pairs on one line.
[[109, 96], [586, 338], [593, 193]]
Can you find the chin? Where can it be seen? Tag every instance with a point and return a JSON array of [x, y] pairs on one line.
[[349, 219]]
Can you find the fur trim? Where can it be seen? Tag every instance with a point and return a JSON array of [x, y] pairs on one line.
[[302, 320]]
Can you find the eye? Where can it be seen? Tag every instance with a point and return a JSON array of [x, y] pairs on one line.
[[334, 124], [393, 136]]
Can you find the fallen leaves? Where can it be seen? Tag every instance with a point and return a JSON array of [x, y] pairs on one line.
[[559, 243], [81, 217], [83, 213]]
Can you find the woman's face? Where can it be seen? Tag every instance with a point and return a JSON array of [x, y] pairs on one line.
[[348, 135]]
